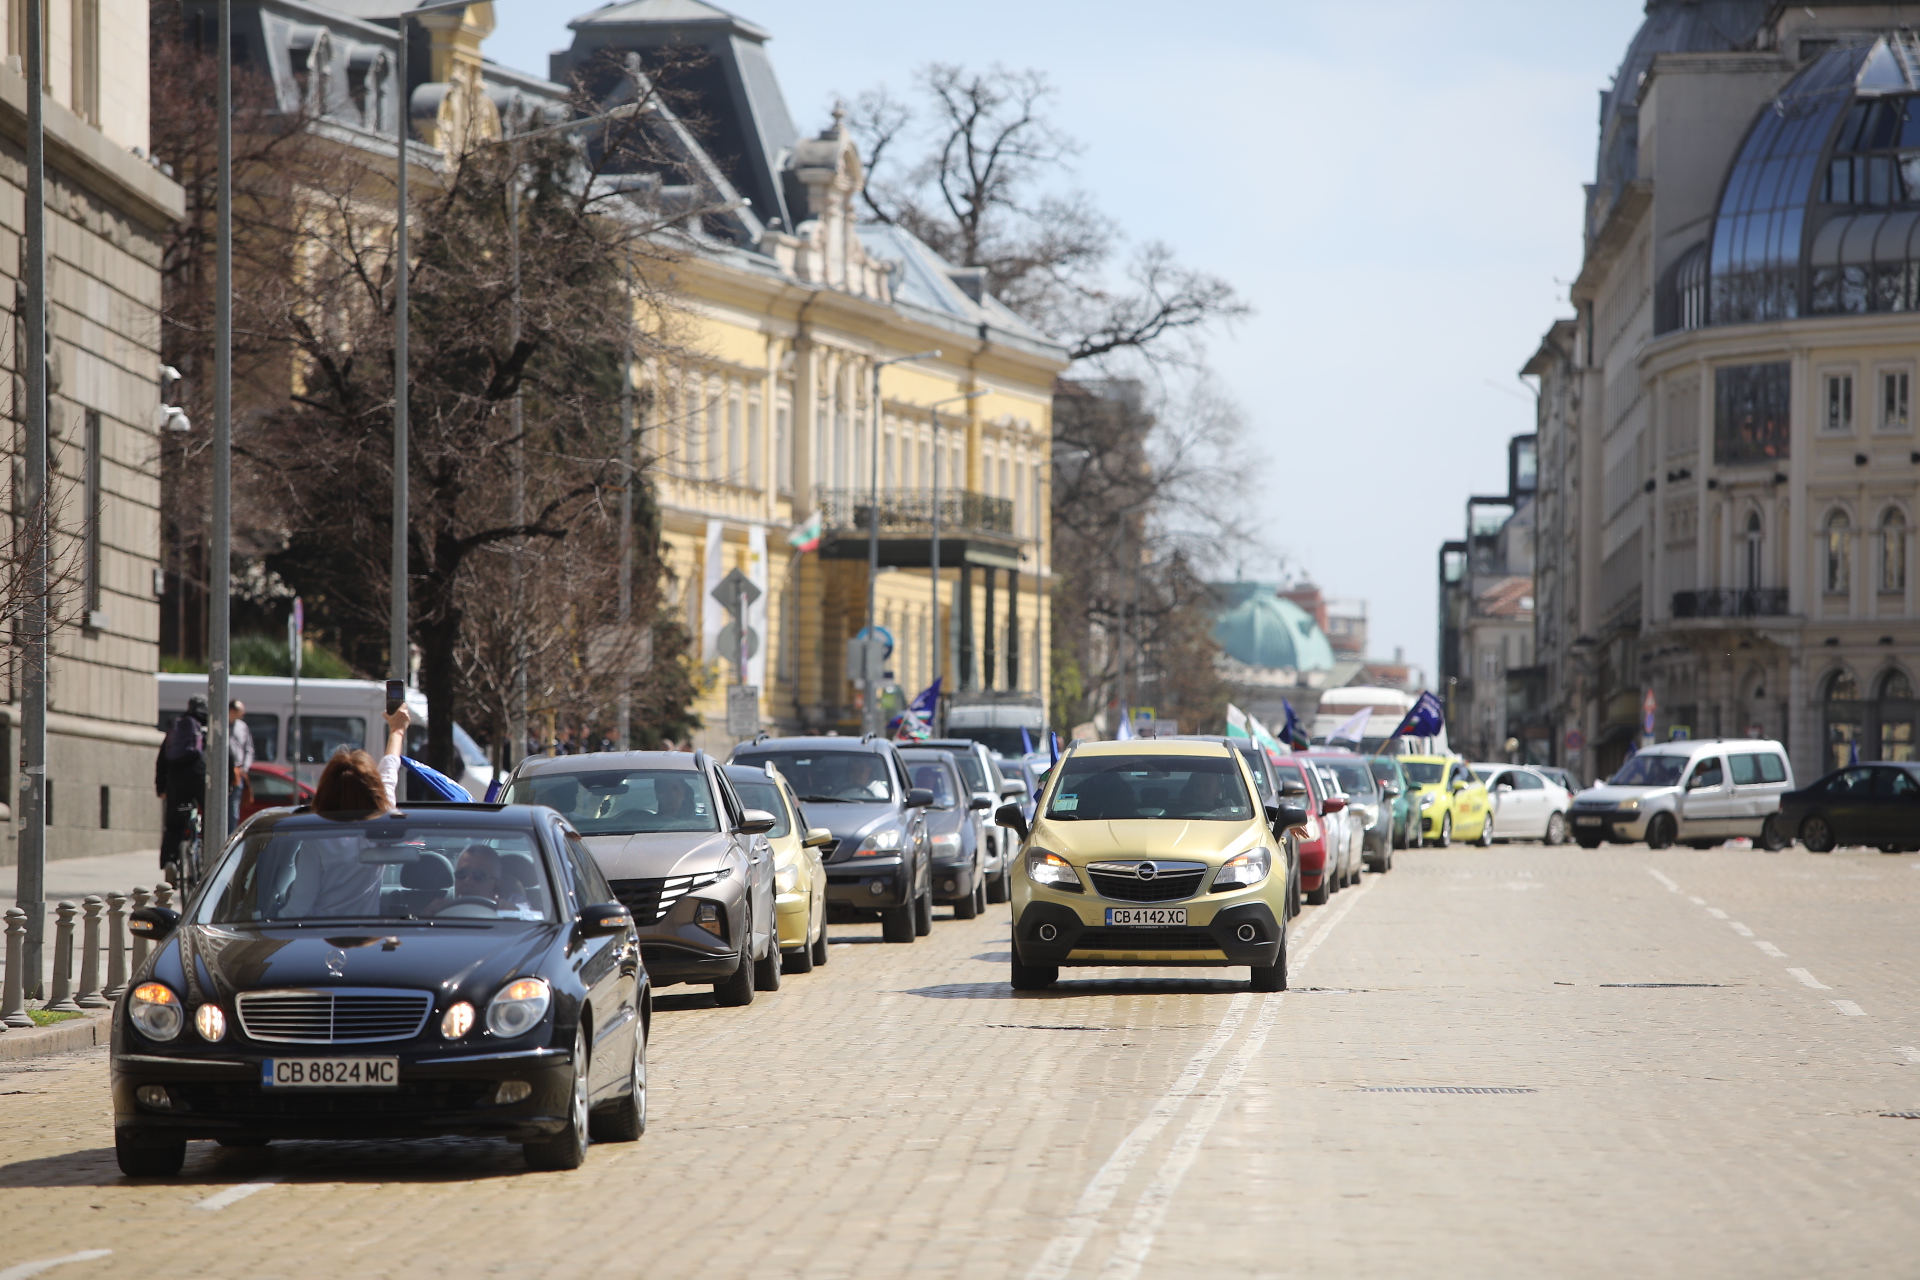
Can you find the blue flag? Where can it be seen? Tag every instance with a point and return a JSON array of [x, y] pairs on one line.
[[1423, 720], [928, 701], [437, 782], [1026, 741], [1291, 732]]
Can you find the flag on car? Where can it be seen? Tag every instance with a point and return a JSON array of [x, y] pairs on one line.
[[915, 724], [1238, 725], [1291, 733], [440, 784], [1424, 718], [807, 536], [1354, 728], [1126, 726], [1026, 741]]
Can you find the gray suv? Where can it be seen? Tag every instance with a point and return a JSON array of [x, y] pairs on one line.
[[683, 855], [860, 790]]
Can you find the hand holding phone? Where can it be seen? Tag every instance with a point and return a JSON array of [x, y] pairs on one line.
[[396, 695]]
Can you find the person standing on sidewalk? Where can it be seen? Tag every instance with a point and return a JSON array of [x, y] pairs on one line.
[[240, 752], [180, 778]]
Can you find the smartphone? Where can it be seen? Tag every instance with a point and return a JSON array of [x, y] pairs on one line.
[[396, 695]]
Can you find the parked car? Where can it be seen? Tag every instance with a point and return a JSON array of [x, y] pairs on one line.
[[1198, 882], [1347, 824], [1527, 805], [1699, 793], [682, 851], [858, 789], [470, 974], [1397, 793], [273, 787], [1372, 819], [953, 827], [1322, 850], [983, 777], [1451, 800], [799, 876], [1267, 791], [1864, 804]]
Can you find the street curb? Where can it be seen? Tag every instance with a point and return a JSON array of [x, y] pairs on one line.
[[61, 1037]]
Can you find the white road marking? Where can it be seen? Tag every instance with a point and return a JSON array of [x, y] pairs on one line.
[[25, 1269], [1740, 929], [234, 1194], [1913, 1054], [1771, 950], [1807, 979], [1671, 886], [1849, 1008], [1716, 913], [1698, 902]]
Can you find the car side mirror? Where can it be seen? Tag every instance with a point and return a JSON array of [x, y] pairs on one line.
[[1291, 817], [1389, 791], [1273, 814], [817, 837], [1504, 787], [756, 822], [1010, 816], [1459, 786], [605, 918], [153, 923], [1294, 789], [919, 798], [1334, 804], [1012, 788], [981, 800]]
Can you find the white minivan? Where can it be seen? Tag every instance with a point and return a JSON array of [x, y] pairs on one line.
[[1699, 793], [333, 714]]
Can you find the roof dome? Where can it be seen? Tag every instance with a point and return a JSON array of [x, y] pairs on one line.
[[1262, 630]]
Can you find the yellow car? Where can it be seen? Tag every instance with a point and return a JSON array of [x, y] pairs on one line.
[[1152, 852], [1450, 799], [799, 878]]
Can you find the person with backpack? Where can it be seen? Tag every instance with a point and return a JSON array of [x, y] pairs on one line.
[[180, 779]]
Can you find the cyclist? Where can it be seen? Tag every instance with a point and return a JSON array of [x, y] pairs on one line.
[[180, 778]]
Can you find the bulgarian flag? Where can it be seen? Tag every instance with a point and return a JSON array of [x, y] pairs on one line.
[[807, 536]]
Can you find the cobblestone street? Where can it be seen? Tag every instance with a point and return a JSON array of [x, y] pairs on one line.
[[1516, 1061]]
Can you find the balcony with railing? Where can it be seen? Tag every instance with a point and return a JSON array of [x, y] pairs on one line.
[[1749, 602], [974, 527]]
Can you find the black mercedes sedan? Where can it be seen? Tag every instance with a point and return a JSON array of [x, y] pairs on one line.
[[435, 970], [1863, 804]]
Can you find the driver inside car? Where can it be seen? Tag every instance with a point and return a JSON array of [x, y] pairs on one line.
[[479, 874]]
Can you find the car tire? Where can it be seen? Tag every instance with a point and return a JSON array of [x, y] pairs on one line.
[[966, 908], [145, 1155], [766, 970], [736, 992], [798, 960], [1000, 888], [896, 923], [1445, 840], [1817, 834], [625, 1118], [819, 946], [1386, 861], [1662, 830], [1556, 829], [568, 1148], [1416, 832], [1318, 897], [923, 914], [1033, 977], [1272, 977], [1485, 839], [1773, 834], [1587, 842]]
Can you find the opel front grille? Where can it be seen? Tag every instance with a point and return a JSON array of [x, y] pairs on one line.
[[1147, 880], [333, 1015]]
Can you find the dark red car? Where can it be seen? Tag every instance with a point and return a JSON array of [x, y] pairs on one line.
[[272, 786], [1315, 881]]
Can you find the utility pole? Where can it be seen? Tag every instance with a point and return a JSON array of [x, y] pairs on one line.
[[517, 714], [220, 556], [397, 663], [31, 881], [624, 731]]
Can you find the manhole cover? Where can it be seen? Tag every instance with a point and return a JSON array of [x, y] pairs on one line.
[[1900, 1115], [1441, 1088], [1660, 985]]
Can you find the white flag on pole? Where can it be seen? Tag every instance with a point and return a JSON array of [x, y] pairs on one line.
[[1354, 728]]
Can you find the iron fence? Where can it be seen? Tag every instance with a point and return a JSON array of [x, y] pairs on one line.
[[910, 511]]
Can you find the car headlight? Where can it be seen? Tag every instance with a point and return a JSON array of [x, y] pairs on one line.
[[518, 1007], [457, 1020], [787, 879], [1426, 799], [210, 1022], [947, 843], [887, 841], [156, 1011], [1052, 870], [1628, 806], [1244, 869]]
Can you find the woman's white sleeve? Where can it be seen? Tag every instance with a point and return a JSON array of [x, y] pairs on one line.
[[390, 778]]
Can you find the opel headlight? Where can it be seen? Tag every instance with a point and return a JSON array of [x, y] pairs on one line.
[[887, 841], [1052, 870], [518, 1007], [787, 879], [156, 1011], [1244, 869], [1628, 806]]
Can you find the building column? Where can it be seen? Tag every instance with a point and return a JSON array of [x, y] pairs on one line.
[[963, 659], [1013, 630], [989, 663]]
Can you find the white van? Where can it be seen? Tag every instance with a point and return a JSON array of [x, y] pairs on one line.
[[333, 714], [1387, 708], [1691, 792]]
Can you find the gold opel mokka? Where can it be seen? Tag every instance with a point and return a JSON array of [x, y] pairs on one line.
[[1150, 853]]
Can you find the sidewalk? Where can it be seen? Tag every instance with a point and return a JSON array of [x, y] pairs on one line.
[[72, 879]]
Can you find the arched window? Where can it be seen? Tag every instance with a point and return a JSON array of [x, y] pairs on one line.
[[1839, 574], [1842, 687], [1894, 684], [1895, 713], [1753, 550], [1893, 551]]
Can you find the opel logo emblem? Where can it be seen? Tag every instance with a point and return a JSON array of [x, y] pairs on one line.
[[1146, 871]]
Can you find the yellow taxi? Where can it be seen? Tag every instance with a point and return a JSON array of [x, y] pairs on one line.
[[1152, 853], [1449, 799], [799, 877]]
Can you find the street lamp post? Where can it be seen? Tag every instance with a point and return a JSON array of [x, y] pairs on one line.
[[220, 556], [870, 710], [934, 554], [30, 883]]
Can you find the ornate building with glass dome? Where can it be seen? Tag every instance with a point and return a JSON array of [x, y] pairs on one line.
[[1729, 471]]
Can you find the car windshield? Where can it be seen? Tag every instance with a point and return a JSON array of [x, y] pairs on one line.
[[1382, 771], [937, 778], [1000, 740], [1650, 771], [972, 770], [1260, 780], [1355, 778], [1117, 788], [319, 870], [1423, 773], [623, 802], [762, 793], [830, 777]]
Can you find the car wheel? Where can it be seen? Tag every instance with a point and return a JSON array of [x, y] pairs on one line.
[[1446, 831], [1485, 839], [968, 907], [798, 960], [923, 914], [568, 1148], [1817, 834], [1386, 861], [144, 1155], [1661, 831], [1587, 842], [1556, 829], [980, 896], [737, 991], [1318, 897], [1033, 977], [819, 946], [1416, 832], [1272, 977], [1773, 834], [625, 1118], [1000, 888], [896, 923], [766, 970]]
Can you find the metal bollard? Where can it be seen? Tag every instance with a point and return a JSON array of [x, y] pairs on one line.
[[116, 945], [62, 1001], [141, 900], [13, 1004], [89, 996]]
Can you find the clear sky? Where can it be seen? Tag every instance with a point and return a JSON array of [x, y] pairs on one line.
[[1394, 186]]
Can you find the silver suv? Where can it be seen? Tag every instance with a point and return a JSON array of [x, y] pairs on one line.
[[1699, 793]]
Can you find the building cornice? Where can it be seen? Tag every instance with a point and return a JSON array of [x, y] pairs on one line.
[[1634, 202], [82, 155]]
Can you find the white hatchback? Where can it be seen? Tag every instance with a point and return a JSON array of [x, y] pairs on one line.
[[1698, 793], [1527, 804]]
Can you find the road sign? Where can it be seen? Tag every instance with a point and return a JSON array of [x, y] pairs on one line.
[[866, 660], [1647, 706], [736, 591], [1575, 740], [743, 710], [728, 642]]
